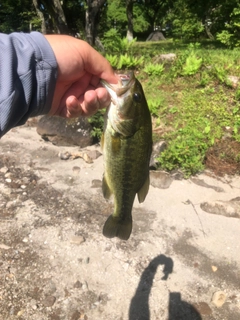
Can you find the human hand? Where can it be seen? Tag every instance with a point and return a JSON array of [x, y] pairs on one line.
[[78, 91]]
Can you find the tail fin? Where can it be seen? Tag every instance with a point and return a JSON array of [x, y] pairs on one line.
[[115, 227]]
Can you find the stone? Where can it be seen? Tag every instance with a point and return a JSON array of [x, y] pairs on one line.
[[49, 301], [219, 298], [165, 57], [64, 155], [77, 285], [76, 169], [96, 183], [177, 174], [160, 179], [214, 268], [94, 154], [158, 147], [234, 80], [65, 132], [4, 246], [77, 240], [202, 183], [224, 208], [4, 170], [203, 308]]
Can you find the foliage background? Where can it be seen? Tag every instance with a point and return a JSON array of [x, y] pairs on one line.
[[194, 98]]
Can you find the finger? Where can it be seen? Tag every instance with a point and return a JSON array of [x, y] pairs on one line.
[[85, 105], [73, 108], [96, 64], [103, 97], [91, 103]]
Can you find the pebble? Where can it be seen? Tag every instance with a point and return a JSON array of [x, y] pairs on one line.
[[49, 301], [33, 304], [77, 284], [8, 175], [94, 154], [12, 204], [203, 308], [96, 183], [64, 156], [4, 246], [25, 180], [76, 169], [8, 180], [218, 298], [77, 240], [4, 170], [160, 179], [214, 268]]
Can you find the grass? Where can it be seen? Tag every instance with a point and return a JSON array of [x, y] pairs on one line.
[[191, 99]]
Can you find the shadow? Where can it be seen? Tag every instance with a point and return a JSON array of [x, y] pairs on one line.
[[139, 307], [181, 310], [178, 309]]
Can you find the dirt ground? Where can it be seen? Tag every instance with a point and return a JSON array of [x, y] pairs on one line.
[[56, 264]]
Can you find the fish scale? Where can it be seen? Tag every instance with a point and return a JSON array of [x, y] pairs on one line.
[[127, 146]]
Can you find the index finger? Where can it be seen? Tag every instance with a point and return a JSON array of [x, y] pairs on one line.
[[96, 64]]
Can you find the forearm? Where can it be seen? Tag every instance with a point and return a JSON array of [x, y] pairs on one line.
[[28, 73]]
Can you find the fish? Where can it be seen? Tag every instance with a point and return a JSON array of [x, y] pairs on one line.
[[127, 146]]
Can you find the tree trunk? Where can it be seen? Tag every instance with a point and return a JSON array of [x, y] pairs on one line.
[[129, 11], [56, 18], [60, 18], [207, 28], [41, 16], [92, 11], [208, 32]]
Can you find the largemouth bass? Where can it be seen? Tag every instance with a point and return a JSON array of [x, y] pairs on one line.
[[127, 147]]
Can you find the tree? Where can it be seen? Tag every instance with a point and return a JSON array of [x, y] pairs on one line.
[[136, 22], [231, 35], [214, 14], [185, 24], [41, 16], [52, 16], [129, 12], [14, 18], [92, 17]]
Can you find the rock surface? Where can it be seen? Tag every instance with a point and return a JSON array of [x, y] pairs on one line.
[[55, 263], [65, 132], [225, 208], [165, 57], [219, 298]]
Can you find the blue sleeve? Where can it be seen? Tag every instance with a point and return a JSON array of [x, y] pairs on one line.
[[28, 73]]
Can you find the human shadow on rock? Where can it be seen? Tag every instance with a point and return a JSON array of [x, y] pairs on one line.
[[181, 310], [139, 307], [178, 309]]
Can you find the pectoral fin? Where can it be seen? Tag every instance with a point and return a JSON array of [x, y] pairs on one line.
[[143, 191], [105, 189], [102, 141]]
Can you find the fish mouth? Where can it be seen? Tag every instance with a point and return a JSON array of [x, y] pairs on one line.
[[125, 82]]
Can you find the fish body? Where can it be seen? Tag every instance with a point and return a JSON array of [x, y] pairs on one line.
[[127, 147]]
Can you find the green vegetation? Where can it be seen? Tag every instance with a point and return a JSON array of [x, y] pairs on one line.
[[192, 99]]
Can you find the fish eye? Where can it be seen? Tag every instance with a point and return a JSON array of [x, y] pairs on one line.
[[137, 97]]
